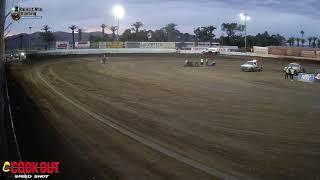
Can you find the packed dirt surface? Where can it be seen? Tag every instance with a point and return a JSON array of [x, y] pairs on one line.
[[148, 117]]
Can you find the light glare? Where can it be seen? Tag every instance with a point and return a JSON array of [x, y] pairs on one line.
[[118, 11], [244, 17]]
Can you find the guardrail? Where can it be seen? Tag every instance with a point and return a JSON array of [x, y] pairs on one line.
[[63, 52], [268, 56]]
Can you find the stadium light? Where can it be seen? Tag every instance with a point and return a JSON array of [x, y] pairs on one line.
[[118, 12], [245, 17]]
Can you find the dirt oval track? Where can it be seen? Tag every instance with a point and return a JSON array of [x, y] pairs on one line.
[[150, 118]]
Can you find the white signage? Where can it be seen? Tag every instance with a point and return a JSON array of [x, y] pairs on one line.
[[82, 45], [158, 45]]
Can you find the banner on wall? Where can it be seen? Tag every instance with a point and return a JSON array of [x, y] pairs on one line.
[[115, 44], [82, 45], [260, 50], [158, 45], [62, 45], [102, 45]]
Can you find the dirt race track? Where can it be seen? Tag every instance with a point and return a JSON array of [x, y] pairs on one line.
[[148, 117]]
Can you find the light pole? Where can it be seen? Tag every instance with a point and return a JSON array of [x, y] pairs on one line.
[[30, 31], [118, 12], [245, 17]]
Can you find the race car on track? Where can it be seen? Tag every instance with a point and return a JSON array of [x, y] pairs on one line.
[[296, 67], [251, 66], [214, 51]]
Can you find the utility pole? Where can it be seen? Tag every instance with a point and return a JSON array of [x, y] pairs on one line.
[[245, 31], [245, 17], [30, 31], [118, 29]]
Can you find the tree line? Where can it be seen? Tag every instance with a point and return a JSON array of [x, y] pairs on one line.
[[232, 35]]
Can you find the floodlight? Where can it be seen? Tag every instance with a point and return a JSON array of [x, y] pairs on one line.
[[118, 11]]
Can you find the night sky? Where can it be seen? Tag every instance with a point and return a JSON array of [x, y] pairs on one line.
[[287, 17]]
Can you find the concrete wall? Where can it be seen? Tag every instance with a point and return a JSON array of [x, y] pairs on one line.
[[102, 51], [260, 50], [294, 51]]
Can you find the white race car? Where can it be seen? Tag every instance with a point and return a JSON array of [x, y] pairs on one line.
[[251, 66], [296, 67]]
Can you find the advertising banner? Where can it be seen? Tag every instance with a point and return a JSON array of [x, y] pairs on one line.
[[62, 45], [260, 50], [102, 45], [158, 45], [310, 78], [132, 44], [115, 44], [94, 45], [82, 45]]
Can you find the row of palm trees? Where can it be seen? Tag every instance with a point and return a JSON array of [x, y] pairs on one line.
[[313, 41], [136, 26], [113, 29]]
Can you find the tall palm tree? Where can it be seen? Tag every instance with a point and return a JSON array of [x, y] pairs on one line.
[[310, 40], [47, 36], [103, 26], [113, 29], [314, 39], [45, 28], [171, 31], [79, 34], [73, 27], [298, 41], [302, 42], [302, 34], [291, 41], [136, 26]]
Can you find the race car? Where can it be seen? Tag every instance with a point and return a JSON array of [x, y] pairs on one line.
[[251, 66], [296, 67], [15, 57], [214, 51]]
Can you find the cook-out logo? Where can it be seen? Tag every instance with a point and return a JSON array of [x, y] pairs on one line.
[[29, 170]]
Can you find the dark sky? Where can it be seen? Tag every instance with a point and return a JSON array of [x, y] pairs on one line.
[[287, 17]]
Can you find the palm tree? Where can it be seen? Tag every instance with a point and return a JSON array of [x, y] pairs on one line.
[[103, 26], [298, 41], [302, 34], [136, 26], [113, 29], [73, 27], [291, 41], [171, 31], [45, 28], [314, 41], [47, 36], [302, 42], [79, 34], [310, 40]]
